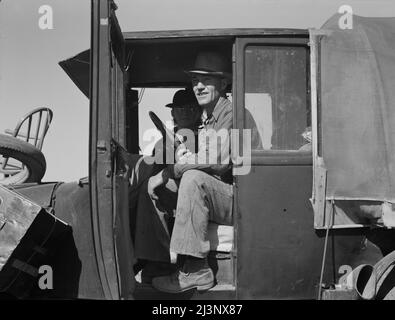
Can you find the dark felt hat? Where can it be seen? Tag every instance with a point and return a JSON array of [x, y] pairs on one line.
[[211, 63], [182, 99]]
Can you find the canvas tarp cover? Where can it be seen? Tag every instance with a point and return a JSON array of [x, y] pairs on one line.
[[358, 109]]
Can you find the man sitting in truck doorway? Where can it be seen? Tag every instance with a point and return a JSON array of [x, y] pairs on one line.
[[205, 190]]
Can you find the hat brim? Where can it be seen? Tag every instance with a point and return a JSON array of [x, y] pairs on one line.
[[211, 73]]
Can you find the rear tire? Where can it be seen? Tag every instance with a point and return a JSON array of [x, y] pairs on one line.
[[26, 153]]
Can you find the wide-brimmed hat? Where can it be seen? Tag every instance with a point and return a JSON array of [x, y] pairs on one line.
[[211, 63], [182, 99]]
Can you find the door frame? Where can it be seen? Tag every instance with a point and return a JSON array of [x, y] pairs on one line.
[[107, 129]]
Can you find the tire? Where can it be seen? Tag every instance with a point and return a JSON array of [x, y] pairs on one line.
[[26, 153]]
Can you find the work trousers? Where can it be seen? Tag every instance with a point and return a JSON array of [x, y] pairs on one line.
[[198, 198]]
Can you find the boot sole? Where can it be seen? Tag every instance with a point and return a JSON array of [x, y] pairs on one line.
[[199, 288], [205, 287]]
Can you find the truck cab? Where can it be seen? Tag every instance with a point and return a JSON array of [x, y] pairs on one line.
[[283, 243]]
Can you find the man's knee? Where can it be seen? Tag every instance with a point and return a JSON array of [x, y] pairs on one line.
[[192, 179]]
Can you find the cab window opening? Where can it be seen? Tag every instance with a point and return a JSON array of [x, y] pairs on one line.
[[276, 96]]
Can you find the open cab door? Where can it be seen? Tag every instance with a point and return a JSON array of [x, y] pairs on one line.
[[108, 182]]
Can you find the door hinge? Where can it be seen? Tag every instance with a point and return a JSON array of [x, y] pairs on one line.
[[101, 146]]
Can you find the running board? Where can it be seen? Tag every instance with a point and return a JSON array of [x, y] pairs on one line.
[[218, 292]]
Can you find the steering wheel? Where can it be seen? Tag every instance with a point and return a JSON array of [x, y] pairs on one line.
[[166, 133]]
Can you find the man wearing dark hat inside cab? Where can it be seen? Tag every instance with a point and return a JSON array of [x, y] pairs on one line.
[[185, 110], [205, 183], [186, 114]]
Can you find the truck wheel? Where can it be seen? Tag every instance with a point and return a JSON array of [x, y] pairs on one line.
[[26, 153]]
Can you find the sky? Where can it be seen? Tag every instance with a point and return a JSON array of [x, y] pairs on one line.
[[31, 77]]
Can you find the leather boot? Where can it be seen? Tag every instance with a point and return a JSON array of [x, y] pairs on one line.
[[195, 274]]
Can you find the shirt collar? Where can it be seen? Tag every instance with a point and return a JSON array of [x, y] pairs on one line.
[[216, 112]]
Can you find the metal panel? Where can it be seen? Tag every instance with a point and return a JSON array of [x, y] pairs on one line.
[[279, 252], [76, 272]]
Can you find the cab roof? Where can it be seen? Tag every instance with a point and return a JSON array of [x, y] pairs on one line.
[[159, 57], [210, 33]]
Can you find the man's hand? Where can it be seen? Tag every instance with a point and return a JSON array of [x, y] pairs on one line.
[[156, 181], [182, 154]]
